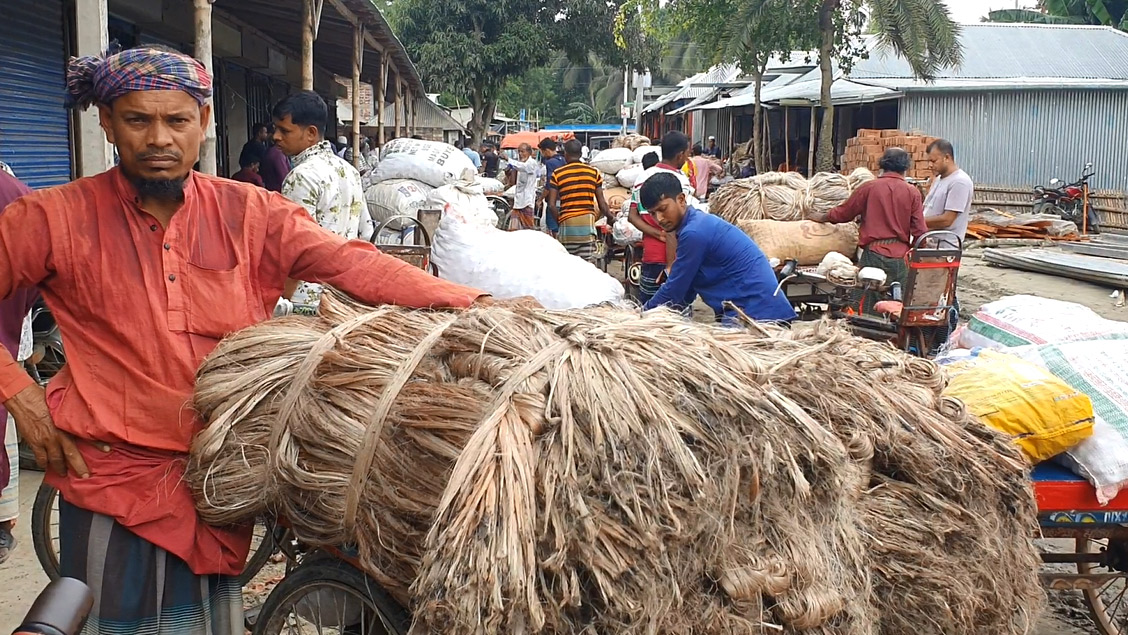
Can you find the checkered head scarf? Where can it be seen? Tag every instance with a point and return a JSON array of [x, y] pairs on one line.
[[102, 79]]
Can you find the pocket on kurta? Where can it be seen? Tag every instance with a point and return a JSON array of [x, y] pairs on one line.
[[217, 301]]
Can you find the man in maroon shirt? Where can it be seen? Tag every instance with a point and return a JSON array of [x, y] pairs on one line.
[[12, 312], [892, 215]]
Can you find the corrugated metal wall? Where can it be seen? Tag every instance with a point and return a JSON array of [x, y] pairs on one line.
[[1024, 138], [718, 123]]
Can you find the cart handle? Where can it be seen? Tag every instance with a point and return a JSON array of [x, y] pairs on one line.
[[415, 221]]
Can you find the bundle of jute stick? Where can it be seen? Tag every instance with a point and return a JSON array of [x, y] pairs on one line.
[[632, 141], [784, 196], [512, 470]]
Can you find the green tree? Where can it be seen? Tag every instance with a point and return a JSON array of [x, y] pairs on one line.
[[1112, 13], [750, 33], [472, 49], [922, 31]]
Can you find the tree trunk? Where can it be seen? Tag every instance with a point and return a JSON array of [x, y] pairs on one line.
[[758, 123], [825, 155], [483, 111]]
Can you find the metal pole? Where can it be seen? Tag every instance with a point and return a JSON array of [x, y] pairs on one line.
[[787, 136], [381, 96], [811, 150], [626, 86], [358, 65], [203, 22]]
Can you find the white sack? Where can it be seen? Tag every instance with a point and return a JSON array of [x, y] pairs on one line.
[[1022, 320], [490, 186], [432, 162], [642, 151], [464, 203], [629, 175], [519, 263], [611, 160], [1096, 368], [396, 197], [623, 232]]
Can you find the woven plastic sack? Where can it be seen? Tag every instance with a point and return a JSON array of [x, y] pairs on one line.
[[432, 162], [1043, 414], [642, 151], [615, 197], [1023, 320], [465, 203], [611, 160], [490, 186], [623, 232], [519, 263], [629, 175], [397, 197]]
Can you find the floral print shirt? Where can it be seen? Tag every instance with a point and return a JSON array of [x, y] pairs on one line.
[[331, 190]]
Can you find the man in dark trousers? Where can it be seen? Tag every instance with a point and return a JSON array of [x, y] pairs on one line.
[[892, 216], [12, 312]]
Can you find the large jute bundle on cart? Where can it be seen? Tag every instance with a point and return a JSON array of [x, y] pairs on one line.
[[784, 196], [512, 470]]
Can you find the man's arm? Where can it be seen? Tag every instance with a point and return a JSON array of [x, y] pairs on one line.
[[603, 207], [26, 259], [690, 255], [917, 225], [296, 247], [846, 212], [646, 228]]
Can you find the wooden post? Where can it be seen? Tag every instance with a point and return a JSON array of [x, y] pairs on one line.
[[203, 21], [787, 136], [399, 105], [311, 19], [381, 96], [811, 150], [411, 113], [95, 154], [358, 65]]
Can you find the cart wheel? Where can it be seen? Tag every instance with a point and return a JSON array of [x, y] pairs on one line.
[[327, 595], [45, 537], [1108, 603]]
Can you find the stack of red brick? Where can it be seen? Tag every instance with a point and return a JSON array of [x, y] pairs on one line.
[[864, 151]]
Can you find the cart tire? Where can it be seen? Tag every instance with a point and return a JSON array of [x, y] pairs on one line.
[[329, 573], [1104, 619], [44, 523]]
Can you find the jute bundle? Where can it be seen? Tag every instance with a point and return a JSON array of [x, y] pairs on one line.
[[784, 196], [632, 141], [771, 196], [597, 471]]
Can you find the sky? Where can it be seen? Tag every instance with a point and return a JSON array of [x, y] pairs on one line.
[[973, 10]]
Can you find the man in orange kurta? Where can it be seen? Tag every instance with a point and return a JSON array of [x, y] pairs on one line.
[[146, 267]]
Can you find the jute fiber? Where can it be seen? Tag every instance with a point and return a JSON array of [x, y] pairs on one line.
[[784, 196], [506, 470]]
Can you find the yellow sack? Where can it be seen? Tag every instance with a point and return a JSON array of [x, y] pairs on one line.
[[1043, 414]]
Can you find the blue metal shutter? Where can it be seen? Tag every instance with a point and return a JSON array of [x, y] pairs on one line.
[[34, 121]]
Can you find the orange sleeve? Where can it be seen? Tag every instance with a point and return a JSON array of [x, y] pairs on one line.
[[299, 248], [25, 261]]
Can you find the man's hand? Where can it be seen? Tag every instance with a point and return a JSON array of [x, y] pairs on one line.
[[53, 448], [819, 217], [662, 236]]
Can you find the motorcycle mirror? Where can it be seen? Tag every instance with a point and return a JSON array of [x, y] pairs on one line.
[[1089, 165], [1055, 181]]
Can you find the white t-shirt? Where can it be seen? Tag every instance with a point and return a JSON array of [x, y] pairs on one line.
[[528, 174], [953, 193]]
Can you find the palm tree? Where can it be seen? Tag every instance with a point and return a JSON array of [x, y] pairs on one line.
[[922, 31]]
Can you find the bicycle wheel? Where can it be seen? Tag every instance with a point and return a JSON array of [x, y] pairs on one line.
[[45, 537], [328, 596], [45, 529]]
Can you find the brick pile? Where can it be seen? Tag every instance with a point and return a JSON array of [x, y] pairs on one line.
[[864, 151]]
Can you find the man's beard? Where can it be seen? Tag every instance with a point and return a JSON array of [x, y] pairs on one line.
[[158, 189]]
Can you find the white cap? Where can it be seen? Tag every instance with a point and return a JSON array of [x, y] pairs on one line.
[[712, 138], [342, 139]]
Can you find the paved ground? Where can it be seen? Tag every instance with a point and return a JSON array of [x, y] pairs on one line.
[[21, 578]]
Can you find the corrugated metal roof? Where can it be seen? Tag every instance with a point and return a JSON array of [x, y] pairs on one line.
[[1018, 51], [700, 85]]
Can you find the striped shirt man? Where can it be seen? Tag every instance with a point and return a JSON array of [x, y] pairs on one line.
[[579, 189]]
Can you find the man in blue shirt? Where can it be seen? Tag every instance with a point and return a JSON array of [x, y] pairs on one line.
[[552, 160], [714, 259]]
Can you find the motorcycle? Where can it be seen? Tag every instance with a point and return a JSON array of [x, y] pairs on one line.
[[1068, 201]]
